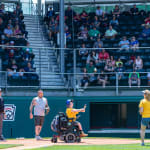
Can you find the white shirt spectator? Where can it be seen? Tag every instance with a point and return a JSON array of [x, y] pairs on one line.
[[99, 11]]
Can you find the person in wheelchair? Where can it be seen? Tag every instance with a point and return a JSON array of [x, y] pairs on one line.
[[72, 115]]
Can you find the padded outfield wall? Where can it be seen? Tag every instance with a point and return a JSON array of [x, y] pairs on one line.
[[102, 112]]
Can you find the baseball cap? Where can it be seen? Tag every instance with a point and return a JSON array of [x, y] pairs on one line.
[[146, 92], [69, 101]]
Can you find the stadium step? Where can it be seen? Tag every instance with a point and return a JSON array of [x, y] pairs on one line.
[[47, 61], [50, 83]]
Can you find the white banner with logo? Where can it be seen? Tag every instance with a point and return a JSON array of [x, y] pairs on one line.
[[10, 110]]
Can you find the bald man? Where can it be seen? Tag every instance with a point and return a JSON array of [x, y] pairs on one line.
[[41, 107]]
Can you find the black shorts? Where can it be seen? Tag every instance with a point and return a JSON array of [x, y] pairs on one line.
[[38, 120]]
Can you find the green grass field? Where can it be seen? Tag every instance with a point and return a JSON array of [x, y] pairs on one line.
[[4, 146], [98, 147]]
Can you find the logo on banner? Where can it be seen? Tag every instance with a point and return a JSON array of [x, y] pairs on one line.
[[10, 110]]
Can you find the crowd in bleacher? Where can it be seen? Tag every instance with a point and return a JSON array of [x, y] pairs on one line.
[[124, 30], [16, 60]]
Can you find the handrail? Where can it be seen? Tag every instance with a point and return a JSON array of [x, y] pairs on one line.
[[69, 48], [55, 73]]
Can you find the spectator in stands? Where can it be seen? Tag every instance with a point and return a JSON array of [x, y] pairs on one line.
[[90, 68], [77, 20], [10, 23], [18, 9], [147, 20], [2, 8], [120, 69], [148, 78], [124, 44], [13, 68], [114, 23], [134, 78], [110, 33], [134, 44], [109, 67], [102, 78], [50, 13], [29, 49], [134, 10], [93, 33], [27, 46], [3, 40], [52, 25], [96, 22], [93, 56], [8, 31], [11, 54], [98, 43], [83, 34], [119, 62], [113, 62], [99, 11], [31, 71], [17, 31], [69, 13], [146, 32], [68, 36], [103, 56], [27, 57], [116, 11], [29, 68], [131, 60], [12, 44], [138, 64], [83, 53], [85, 80], [84, 17], [104, 20], [2, 26]]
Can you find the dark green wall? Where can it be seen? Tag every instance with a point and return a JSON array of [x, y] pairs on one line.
[[24, 127]]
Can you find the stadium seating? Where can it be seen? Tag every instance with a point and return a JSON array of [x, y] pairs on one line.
[[129, 25], [17, 61]]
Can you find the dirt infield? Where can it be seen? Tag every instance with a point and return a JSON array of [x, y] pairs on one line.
[[32, 143]]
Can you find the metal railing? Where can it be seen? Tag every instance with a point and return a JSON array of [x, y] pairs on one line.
[[73, 80]]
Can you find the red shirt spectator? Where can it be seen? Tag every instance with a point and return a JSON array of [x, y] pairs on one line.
[[147, 20], [103, 55]]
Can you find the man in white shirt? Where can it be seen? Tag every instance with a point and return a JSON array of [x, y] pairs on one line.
[[110, 33], [40, 104]]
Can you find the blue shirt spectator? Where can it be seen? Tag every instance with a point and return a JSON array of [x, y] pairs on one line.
[[134, 44], [124, 43], [146, 31]]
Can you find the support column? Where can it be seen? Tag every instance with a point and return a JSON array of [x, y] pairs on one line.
[[61, 38], [39, 7]]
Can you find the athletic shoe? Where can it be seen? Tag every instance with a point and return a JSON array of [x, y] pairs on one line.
[[38, 138], [2, 138], [83, 134], [142, 144]]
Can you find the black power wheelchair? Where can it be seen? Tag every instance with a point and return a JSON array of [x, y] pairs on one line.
[[66, 129]]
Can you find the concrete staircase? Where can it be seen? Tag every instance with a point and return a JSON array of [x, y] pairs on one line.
[[45, 60]]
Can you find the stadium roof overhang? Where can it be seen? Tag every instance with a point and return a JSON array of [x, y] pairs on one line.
[[9, 1], [84, 2]]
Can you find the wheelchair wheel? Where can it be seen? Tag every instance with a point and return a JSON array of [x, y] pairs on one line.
[[70, 138], [54, 140]]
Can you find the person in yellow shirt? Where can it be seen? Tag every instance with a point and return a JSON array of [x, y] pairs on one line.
[[72, 114], [144, 109]]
